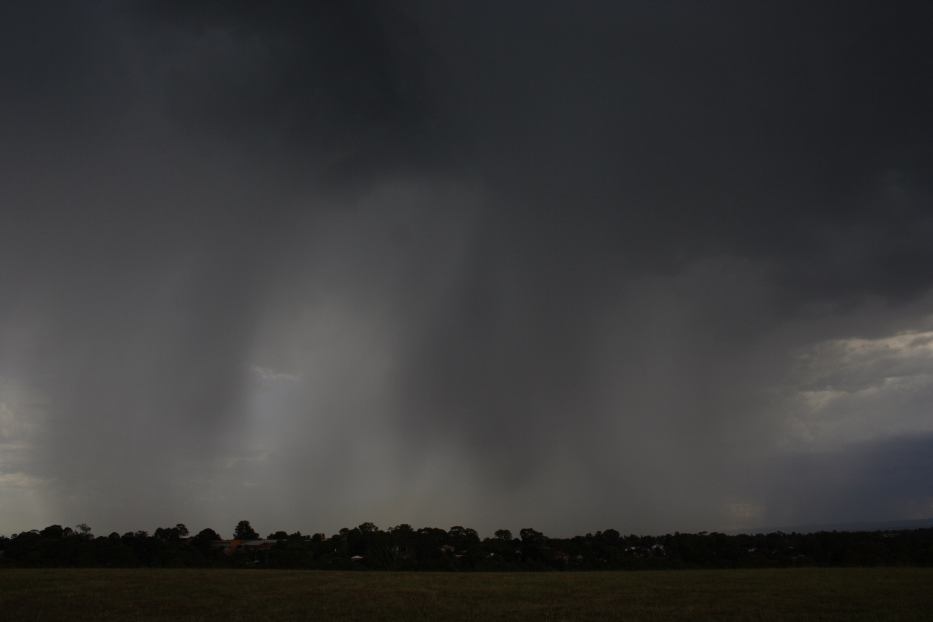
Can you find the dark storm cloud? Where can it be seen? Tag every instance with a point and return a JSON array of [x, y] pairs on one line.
[[683, 127], [557, 259], [341, 82]]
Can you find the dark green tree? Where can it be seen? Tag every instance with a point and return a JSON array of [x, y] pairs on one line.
[[53, 531], [207, 535], [245, 531]]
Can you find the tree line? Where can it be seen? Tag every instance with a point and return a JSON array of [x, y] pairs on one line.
[[459, 548]]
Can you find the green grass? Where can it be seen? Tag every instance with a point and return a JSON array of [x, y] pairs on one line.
[[231, 595]]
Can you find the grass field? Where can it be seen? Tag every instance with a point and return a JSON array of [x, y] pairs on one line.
[[230, 595]]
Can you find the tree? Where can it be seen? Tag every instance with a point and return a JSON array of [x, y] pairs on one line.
[[530, 535], [244, 531], [533, 544], [503, 534], [177, 532], [462, 537], [368, 528], [52, 531], [207, 535]]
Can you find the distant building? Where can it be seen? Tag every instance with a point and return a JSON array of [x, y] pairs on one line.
[[232, 546]]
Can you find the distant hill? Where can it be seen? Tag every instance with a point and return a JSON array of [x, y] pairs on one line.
[[888, 525]]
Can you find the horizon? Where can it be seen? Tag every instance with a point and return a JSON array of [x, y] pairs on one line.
[[858, 527]]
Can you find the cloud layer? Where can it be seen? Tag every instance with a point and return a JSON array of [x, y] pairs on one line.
[[560, 265]]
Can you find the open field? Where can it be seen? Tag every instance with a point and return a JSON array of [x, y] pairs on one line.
[[230, 595]]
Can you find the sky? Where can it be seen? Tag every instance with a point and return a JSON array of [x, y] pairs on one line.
[[643, 265]]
